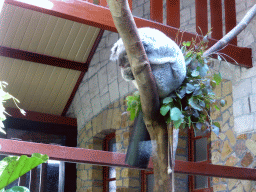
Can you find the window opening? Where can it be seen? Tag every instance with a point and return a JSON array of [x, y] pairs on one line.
[[109, 173]]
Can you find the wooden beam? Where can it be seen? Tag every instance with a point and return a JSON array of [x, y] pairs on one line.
[[216, 19], [94, 47], [173, 13], [230, 17], [40, 58], [156, 10], [42, 117], [97, 16], [105, 158], [201, 17]]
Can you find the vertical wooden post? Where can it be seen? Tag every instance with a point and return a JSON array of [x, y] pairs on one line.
[[216, 19], [156, 10], [201, 17], [230, 17], [173, 13]]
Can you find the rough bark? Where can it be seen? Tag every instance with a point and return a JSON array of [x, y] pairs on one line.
[[155, 123]]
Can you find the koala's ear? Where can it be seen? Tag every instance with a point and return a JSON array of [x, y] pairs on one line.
[[116, 50]]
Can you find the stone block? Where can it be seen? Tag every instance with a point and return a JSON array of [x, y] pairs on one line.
[[103, 80], [116, 119], [232, 183], [138, 12], [113, 91], [220, 187], [251, 145], [247, 185], [226, 88], [95, 59], [243, 124], [226, 151], [96, 105], [242, 89], [123, 88], [146, 8], [93, 86], [104, 54], [229, 103], [105, 100], [111, 71], [253, 103], [111, 39], [247, 160], [242, 137], [238, 188], [231, 161], [231, 137]]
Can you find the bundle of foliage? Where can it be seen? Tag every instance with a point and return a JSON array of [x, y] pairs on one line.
[[11, 168], [4, 96], [191, 104]]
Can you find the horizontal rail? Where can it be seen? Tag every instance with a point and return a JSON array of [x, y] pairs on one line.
[[97, 16], [41, 58], [80, 155]]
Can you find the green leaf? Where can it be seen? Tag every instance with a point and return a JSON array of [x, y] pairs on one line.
[[217, 124], [6, 96], [165, 109], [175, 114], [193, 103], [178, 123], [167, 100], [182, 92], [213, 83], [216, 107], [188, 43], [195, 73], [190, 88], [18, 189], [11, 168], [217, 78], [203, 70]]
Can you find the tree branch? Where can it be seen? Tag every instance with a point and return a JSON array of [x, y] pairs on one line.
[[233, 33]]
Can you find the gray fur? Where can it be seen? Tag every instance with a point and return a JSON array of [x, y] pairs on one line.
[[165, 57]]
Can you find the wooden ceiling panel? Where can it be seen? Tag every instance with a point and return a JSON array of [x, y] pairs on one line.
[[45, 34], [40, 88]]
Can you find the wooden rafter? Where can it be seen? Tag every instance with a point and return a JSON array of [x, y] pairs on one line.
[[98, 157], [42, 117], [94, 47], [97, 16], [40, 58]]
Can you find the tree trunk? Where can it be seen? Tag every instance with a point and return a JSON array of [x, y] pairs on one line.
[[155, 123]]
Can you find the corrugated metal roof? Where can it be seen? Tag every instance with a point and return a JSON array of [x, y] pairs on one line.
[[42, 88]]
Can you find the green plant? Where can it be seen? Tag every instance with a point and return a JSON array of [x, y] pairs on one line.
[[191, 104], [11, 168], [4, 96]]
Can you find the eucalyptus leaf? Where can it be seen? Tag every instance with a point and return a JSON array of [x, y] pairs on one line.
[[202, 103], [182, 93], [197, 91], [195, 73], [217, 78], [167, 100], [193, 103], [188, 60], [216, 130], [203, 70], [199, 126], [165, 109], [178, 123], [175, 114], [18, 189], [190, 88]]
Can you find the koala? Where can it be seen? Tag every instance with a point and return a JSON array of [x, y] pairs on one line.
[[165, 57]]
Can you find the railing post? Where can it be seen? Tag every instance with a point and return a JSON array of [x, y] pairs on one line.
[[216, 19], [173, 13], [230, 17], [156, 10], [201, 17]]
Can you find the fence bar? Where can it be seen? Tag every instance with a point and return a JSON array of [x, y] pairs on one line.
[[216, 19], [173, 13], [230, 17], [201, 17], [156, 10], [79, 155]]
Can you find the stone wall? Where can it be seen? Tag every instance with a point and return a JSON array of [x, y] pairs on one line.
[[103, 86], [230, 149], [115, 119]]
